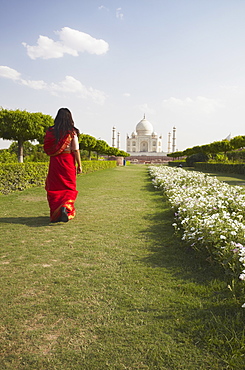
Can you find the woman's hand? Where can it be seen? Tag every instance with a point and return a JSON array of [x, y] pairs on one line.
[[79, 169]]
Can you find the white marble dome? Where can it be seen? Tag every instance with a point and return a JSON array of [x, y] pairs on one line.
[[144, 127], [144, 140]]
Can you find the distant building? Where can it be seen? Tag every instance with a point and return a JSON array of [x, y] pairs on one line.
[[144, 140]]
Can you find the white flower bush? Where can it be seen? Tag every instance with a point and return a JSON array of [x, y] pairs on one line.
[[210, 213]]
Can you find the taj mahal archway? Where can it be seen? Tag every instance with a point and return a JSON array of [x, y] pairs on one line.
[[144, 146]]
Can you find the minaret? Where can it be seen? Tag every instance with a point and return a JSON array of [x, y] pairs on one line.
[[113, 136], [118, 140], [174, 140], [169, 142]]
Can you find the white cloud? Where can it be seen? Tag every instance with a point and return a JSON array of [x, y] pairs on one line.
[[71, 42], [127, 95], [36, 85], [68, 86], [10, 73], [81, 42], [119, 13], [47, 49], [102, 7], [199, 104], [71, 85]]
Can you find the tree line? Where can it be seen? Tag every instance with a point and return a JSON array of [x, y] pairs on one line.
[[216, 147], [23, 127]]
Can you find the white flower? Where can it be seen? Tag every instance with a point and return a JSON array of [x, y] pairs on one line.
[[205, 206], [242, 276]]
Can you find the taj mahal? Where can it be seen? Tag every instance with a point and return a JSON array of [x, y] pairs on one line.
[[144, 140], [145, 144]]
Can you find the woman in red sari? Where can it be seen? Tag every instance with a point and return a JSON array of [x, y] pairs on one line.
[[61, 144]]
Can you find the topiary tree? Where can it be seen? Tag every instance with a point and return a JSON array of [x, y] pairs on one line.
[[87, 142], [31, 153], [188, 152], [220, 146], [22, 126], [238, 142], [175, 154], [28, 148], [198, 157], [101, 147], [124, 154], [205, 148], [112, 151]]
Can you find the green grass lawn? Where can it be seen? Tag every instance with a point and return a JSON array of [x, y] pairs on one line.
[[112, 289]]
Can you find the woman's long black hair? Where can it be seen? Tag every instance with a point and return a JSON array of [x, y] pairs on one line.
[[63, 124]]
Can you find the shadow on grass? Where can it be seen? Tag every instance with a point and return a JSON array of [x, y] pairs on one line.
[[168, 250], [28, 221]]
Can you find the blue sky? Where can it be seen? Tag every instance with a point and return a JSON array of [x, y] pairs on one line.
[[180, 62]]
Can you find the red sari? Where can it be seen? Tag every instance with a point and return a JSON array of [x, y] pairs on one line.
[[61, 179]]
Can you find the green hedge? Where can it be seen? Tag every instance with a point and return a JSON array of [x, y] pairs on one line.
[[238, 168], [91, 166], [20, 176]]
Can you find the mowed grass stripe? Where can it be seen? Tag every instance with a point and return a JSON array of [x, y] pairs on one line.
[[111, 289]]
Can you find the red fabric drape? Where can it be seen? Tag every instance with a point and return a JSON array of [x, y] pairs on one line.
[[61, 179], [51, 147]]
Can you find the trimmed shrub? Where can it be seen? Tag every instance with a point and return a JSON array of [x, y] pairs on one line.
[[199, 157], [91, 166], [238, 168], [20, 176], [7, 157]]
